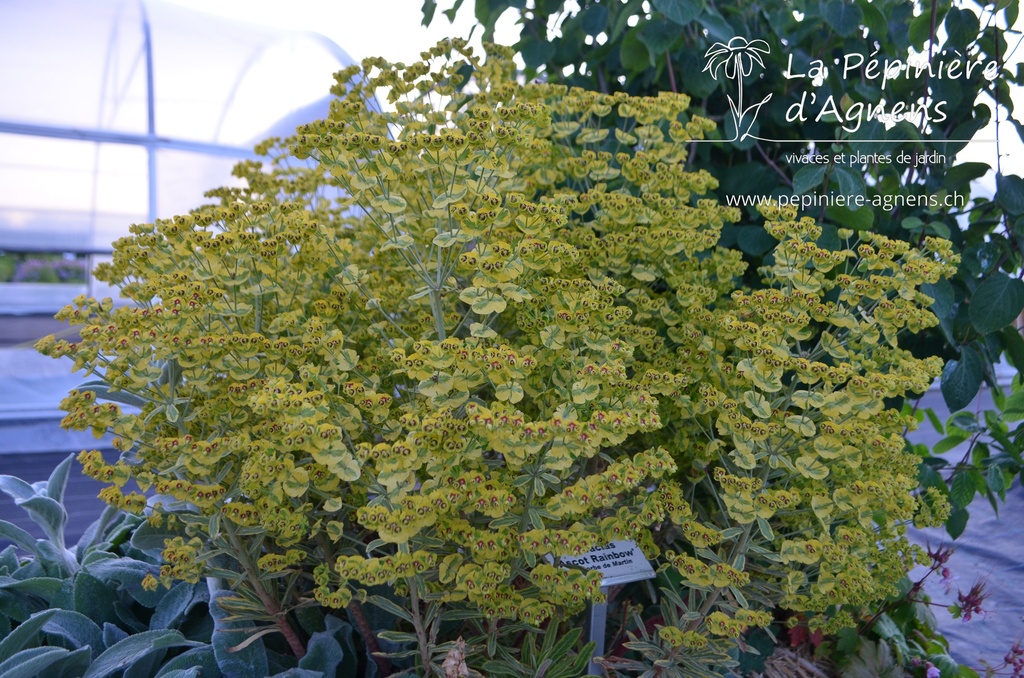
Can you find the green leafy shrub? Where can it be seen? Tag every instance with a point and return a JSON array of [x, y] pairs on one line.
[[472, 337], [8, 264], [24, 268], [991, 459], [51, 270]]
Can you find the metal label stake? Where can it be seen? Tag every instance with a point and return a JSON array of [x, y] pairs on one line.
[[620, 562]]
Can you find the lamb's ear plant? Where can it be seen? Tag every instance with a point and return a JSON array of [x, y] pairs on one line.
[[86, 611], [421, 356], [82, 611]]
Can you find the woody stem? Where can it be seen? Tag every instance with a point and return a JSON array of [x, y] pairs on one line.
[[270, 602]]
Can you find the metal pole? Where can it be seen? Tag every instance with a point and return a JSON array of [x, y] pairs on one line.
[[147, 37], [596, 630]]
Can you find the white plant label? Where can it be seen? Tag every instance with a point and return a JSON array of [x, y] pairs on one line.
[[620, 562]]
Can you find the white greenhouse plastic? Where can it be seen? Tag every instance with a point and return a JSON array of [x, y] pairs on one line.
[[114, 112]]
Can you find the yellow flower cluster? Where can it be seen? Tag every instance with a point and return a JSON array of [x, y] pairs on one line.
[[457, 343], [720, 624], [181, 561]]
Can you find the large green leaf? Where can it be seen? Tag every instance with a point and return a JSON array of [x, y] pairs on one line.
[[681, 12], [227, 634], [94, 598], [842, 16], [860, 219], [996, 303], [961, 491], [16, 488], [929, 477], [717, 27], [594, 19], [957, 522], [965, 173], [961, 379], [536, 53], [874, 20], [129, 573], [77, 629], [694, 80], [173, 606], [921, 28], [633, 53], [17, 608], [112, 633], [808, 177], [200, 658], [343, 633], [1010, 193], [23, 634], [18, 537], [58, 480], [51, 662], [428, 9], [47, 514], [150, 539], [323, 653], [659, 36], [745, 132], [850, 182], [133, 648], [944, 304], [962, 28], [754, 240], [41, 587]]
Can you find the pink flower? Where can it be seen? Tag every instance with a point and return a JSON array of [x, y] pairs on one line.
[[970, 603], [940, 556], [948, 580]]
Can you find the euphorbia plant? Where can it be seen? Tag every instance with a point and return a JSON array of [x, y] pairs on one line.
[[470, 337]]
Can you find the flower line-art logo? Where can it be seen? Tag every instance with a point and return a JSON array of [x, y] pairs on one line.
[[737, 59]]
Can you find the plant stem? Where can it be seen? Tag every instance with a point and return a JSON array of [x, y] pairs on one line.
[[417, 623], [358, 617], [739, 549], [287, 631], [709, 602], [438, 309], [270, 604]]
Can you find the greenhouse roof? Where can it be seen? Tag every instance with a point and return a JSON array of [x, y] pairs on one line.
[[119, 111]]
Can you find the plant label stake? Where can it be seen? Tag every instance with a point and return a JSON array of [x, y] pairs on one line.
[[620, 562]]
